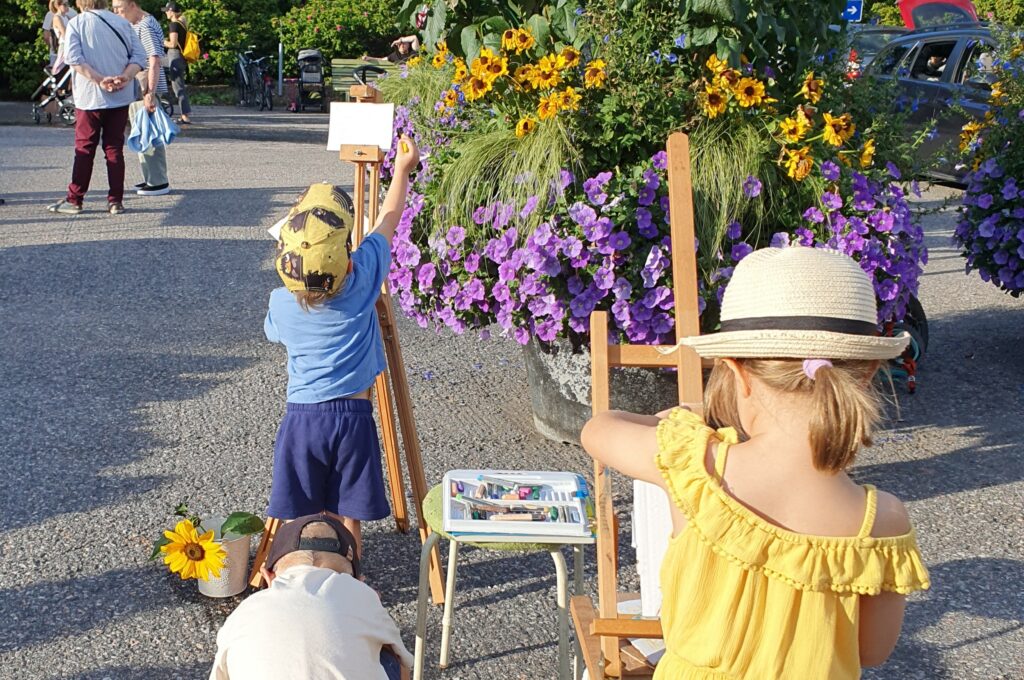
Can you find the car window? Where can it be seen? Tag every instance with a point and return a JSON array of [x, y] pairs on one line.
[[931, 60], [978, 68], [887, 62], [938, 13]]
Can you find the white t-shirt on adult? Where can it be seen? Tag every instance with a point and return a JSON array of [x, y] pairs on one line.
[[48, 19], [312, 623]]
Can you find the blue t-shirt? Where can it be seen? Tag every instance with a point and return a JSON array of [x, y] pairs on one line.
[[335, 349]]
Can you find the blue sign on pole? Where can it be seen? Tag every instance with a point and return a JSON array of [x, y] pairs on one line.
[[854, 10]]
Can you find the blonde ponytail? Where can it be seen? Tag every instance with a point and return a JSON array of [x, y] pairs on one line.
[[844, 404]]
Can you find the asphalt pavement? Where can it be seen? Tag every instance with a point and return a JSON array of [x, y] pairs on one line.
[[135, 374]]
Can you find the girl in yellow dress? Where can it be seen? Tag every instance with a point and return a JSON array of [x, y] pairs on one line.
[[780, 565]]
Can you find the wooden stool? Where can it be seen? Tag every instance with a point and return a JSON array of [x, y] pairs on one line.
[[432, 512]]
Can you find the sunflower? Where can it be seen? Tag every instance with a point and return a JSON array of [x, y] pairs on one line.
[[799, 163], [716, 65], [811, 89], [190, 555], [749, 92], [548, 106], [476, 87], [795, 127], [524, 40], [508, 39], [867, 154], [838, 129], [568, 99], [568, 58], [461, 71], [713, 101], [546, 74], [525, 126], [595, 74]]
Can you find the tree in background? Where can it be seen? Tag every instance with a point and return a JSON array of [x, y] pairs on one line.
[[23, 50], [1005, 11], [338, 28]]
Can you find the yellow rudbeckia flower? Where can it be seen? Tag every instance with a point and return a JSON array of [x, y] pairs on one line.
[[799, 163], [795, 127], [190, 555], [525, 126], [439, 60], [546, 74], [461, 70], [811, 89], [548, 106], [867, 154], [749, 92], [414, 62], [524, 40], [508, 39], [595, 75], [716, 65], [712, 101], [524, 75], [568, 99], [838, 129], [568, 58], [495, 69], [476, 87]]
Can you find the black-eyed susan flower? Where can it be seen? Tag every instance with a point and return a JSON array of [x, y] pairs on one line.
[[508, 39], [190, 555], [546, 74], [811, 89], [799, 163], [713, 101], [568, 99], [838, 129], [461, 70], [568, 58], [795, 127], [716, 65], [548, 106], [496, 68], [595, 75], [867, 154], [524, 75], [749, 92], [525, 126], [524, 40], [439, 60], [476, 87]]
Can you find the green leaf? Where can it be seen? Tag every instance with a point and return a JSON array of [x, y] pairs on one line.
[[433, 32], [157, 544], [470, 43], [241, 524], [494, 25], [704, 35], [717, 9], [540, 28]]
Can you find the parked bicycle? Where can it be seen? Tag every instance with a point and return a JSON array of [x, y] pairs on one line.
[[254, 80]]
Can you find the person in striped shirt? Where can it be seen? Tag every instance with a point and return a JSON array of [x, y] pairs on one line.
[[153, 82]]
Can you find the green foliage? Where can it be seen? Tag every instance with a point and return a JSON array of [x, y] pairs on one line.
[[226, 27], [241, 524], [22, 47], [339, 28], [469, 24], [1009, 12]]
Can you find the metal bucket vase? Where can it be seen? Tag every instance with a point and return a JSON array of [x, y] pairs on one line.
[[559, 382], [235, 572]]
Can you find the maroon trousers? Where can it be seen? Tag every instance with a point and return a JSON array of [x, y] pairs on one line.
[[89, 126]]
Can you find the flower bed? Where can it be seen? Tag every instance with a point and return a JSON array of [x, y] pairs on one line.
[[521, 218]]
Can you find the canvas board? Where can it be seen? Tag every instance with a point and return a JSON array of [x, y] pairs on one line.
[[360, 123]]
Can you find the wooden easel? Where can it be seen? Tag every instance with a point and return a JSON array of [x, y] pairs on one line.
[[367, 159], [603, 633]]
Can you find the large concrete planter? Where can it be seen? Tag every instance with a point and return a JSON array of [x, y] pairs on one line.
[[559, 383]]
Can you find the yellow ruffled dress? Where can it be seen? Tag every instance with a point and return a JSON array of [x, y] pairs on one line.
[[745, 599]]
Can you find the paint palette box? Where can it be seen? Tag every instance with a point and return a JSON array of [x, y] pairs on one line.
[[526, 504]]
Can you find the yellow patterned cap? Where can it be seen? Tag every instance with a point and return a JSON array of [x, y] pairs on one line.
[[312, 253]]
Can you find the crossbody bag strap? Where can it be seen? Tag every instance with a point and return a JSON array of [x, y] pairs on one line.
[[127, 49]]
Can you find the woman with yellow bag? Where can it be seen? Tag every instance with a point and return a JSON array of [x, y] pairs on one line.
[[180, 46]]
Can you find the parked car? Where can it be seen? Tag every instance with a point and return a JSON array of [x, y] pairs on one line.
[[935, 69], [867, 40]]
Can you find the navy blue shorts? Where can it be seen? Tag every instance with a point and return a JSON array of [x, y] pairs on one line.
[[327, 457]]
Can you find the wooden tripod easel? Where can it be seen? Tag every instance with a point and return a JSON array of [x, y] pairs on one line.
[[367, 159], [603, 634]]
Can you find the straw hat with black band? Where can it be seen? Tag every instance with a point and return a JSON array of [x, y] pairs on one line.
[[798, 303]]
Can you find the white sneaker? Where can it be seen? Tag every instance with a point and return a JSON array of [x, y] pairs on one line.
[[158, 190]]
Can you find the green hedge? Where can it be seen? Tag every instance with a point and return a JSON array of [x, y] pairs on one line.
[[1004, 11], [22, 51], [338, 28]]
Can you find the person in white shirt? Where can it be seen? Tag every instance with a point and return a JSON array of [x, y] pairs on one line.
[[316, 620], [53, 32]]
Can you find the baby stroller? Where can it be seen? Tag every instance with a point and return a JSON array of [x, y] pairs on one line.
[[312, 91], [55, 89]]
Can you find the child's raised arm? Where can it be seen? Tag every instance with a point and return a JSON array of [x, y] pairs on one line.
[[625, 441], [407, 156]]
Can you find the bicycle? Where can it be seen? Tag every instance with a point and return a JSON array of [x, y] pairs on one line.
[[253, 79]]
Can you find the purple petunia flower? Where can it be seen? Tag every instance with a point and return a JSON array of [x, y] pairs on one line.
[[752, 187], [734, 230], [740, 251], [985, 201], [582, 214], [893, 171], [604, 278], [831, 201], [780, 239], [645, 223], [646, 196], [660, 160], [425, 275], [619, 240], [814, 215], [830, 171], [456, 235], [529, 207]]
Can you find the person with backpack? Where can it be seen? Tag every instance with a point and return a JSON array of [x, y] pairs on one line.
[[174, 60]]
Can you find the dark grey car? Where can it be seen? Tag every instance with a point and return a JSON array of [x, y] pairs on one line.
[[937, 68]]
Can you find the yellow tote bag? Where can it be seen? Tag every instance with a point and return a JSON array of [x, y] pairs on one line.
[[191, 50]]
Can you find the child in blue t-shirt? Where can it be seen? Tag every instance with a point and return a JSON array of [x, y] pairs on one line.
[[327, 454]]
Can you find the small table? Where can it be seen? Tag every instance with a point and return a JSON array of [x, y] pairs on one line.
[[432, 513]]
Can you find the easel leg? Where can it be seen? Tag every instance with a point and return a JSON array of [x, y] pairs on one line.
[[449, 602], [562, 588], [577, 577], [269, 530], [391, 455]]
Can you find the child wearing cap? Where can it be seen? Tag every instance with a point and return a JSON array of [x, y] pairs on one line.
[[316, 619], [327, 454], [780, 566]]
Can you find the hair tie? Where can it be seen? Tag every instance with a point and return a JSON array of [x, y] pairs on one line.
[[811, 366]]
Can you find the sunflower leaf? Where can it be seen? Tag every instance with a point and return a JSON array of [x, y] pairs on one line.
[[157, 544], [241, 524]]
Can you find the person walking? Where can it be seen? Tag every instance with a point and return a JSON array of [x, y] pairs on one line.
[[105, 54], [153, 82], [177, 32]]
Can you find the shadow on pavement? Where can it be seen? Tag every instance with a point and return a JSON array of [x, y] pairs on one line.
[[115, 325]]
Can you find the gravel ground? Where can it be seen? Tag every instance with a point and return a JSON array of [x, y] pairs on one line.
[[136, 374]]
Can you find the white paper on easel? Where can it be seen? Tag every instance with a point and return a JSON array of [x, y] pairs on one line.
[[360, 123], [652, 530]]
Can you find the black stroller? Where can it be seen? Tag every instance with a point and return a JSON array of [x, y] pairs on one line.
[[55, 89], [312, 90]]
